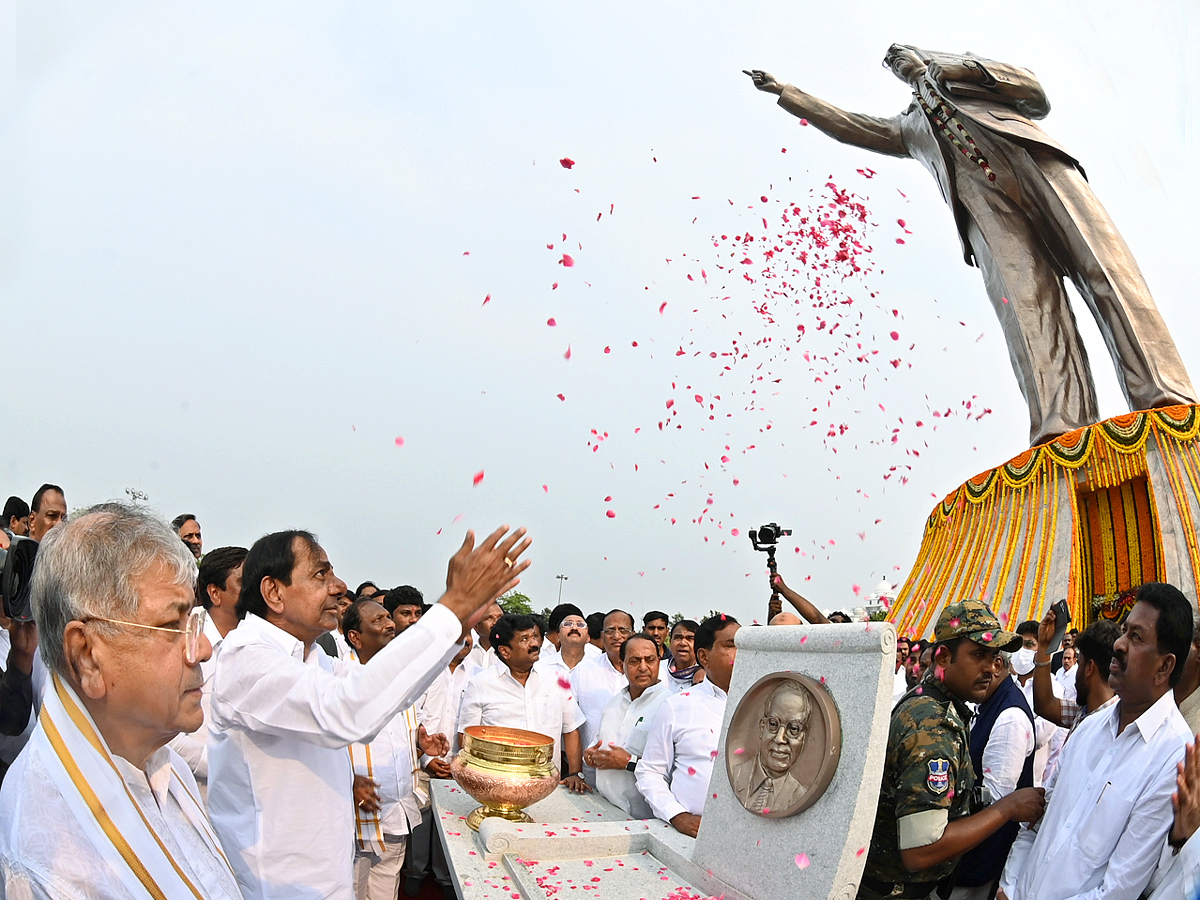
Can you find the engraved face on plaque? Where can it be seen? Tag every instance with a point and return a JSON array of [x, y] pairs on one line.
[[783, 745]]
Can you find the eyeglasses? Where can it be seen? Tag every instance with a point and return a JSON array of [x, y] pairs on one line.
[[793, 729], [572, 623], [623, 632], [191, 631]]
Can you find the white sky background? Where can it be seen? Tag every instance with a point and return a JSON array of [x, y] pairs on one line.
[[232, 274]]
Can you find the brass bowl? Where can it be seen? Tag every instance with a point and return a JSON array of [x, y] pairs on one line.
[[505, 769]]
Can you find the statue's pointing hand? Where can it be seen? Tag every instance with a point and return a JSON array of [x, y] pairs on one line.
[[764, 81]]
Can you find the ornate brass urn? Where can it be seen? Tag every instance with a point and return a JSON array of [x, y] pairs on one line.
[[505, 769]]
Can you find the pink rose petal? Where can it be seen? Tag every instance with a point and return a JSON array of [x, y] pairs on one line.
[[399, 442], [478, 478], [802, 861]]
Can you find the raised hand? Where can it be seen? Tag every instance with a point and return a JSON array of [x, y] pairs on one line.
[[477, 575]]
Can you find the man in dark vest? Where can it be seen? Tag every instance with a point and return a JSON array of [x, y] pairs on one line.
[[1002, 744]]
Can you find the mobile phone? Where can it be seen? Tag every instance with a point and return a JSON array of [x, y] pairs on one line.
[[1062, 618]]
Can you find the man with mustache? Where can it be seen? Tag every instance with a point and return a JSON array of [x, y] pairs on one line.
[[1026, 217], [567, 635], [924, 821], [515, 694], [597, 680], [1108, 805], [283, 712]]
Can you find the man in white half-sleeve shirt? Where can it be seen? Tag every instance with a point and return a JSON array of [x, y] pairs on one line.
[[97, 806], [625, 725], [483, 655], [1108, 806], [598, 679], [284, 713], [514, 694], [674, 772]]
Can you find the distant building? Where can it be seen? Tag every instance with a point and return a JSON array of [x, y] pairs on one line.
[[881, 599]]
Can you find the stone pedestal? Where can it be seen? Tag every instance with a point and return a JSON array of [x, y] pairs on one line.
[[584, 847]]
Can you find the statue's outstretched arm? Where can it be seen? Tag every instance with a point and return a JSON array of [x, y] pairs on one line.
[[869, 132]]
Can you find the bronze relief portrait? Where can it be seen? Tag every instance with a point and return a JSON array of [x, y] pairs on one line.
[[783, 746]]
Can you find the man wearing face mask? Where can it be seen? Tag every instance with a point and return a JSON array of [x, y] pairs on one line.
[[1048, 737]]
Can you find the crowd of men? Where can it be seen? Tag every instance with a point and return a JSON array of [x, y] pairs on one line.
[[239, 723]]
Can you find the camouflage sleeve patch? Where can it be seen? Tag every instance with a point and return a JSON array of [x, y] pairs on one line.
[[926, 770]]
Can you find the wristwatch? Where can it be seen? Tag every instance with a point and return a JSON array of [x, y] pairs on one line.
[[631, 766], [578, 774]]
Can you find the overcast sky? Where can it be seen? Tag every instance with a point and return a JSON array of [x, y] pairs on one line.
[[246, 246]]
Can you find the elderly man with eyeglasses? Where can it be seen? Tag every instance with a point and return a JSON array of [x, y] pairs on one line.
[[98, 805], [598, 679]]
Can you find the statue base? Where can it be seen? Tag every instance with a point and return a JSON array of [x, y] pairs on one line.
[[1088, 517]]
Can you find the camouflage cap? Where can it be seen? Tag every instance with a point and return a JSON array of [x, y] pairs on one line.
[[973, 620]]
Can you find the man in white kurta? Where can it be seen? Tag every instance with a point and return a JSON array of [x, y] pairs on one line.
[[674, 772], [514, 694], [387, 792], [284, 713], [1108, 806], [625, 726], [97, 806], [597, 680]]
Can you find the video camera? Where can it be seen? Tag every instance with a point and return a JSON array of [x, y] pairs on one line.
[[16, 578], [765, 537]]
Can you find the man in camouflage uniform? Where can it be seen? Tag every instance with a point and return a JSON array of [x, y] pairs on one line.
[[924, 821]]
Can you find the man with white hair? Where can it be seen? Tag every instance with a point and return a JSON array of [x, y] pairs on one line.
[[284, 713], [98, 805]]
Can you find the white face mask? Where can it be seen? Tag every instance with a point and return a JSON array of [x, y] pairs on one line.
[[1022, 661]]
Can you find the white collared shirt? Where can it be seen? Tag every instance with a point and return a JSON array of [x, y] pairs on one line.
[[674, 771], [551, 654], [899, 685], [595, 682], [541, 704], [627, 723], [1011, 740], [1108, 808], [438, 707], [280, 782], [45, 852], [479, 659]]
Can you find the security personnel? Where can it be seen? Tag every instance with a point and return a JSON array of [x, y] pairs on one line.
[[928, 815]]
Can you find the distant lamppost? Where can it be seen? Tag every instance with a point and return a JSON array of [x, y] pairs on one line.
[[561, 579]]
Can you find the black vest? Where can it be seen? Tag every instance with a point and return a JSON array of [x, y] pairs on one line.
[[984, 863]]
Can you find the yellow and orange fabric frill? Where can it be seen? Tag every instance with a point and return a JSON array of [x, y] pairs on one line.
[[994, 537]]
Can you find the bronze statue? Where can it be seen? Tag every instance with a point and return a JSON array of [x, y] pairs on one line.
[[1027, 218]]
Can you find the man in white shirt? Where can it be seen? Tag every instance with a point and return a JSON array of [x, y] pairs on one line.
[[513, 694], [567, 636], [625, 725], [1108, 804], [437, 710], [683, 671], [97, 805], [218, 584], [676, 767], [596, 680], [284, 714], [387, 792], [482, 655], [1066, 675]]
